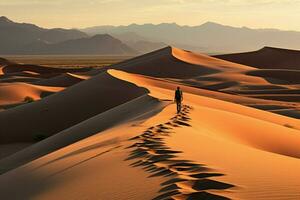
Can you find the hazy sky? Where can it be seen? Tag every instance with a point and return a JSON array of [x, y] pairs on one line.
[[282, 14]]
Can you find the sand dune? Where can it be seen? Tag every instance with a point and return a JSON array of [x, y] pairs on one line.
[[18, 81], [20, 84], [73, 105], [267, 58], [4, 62], [204, 60], [17, 92], [15, 77], [283, 76], [163, 64], [63, 80], [163, 152], [9, 149], [13, 68], [116, 135], [22, 79], [137, 109], [172, 62], [202, 71], [157, 88]]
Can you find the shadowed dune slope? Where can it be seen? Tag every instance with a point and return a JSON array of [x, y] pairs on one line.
[[15, 79], [17, 92], [139, 108], [18, 81], [286, 76], [63, 80], [66, 108], [4, 61], [267, 58], [220, 101], [210, 73], [207, 61], [171, 62], [27, 74], [213, 149]]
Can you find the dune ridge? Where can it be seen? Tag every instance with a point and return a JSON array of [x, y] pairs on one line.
[[20, 81], [91, 96], [188, 180], [118, 135], [266, 58], [163, 151], [143, 106], [214, 74], [63, 80], [17, 92]]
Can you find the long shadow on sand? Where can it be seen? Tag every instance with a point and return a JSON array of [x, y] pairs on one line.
[[187, 179]]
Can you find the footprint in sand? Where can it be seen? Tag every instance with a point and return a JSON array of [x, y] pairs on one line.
[[188, 180]]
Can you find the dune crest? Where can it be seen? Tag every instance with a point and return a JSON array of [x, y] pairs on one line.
[[205, 60], [17, 92], [114, 133], [158, 88], [267, 58], [206, 72]]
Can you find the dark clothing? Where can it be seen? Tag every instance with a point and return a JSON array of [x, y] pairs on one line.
[[178, 95], [178, 99], [178, 103]]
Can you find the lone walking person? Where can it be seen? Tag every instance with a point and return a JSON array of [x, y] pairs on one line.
[[178, 99]]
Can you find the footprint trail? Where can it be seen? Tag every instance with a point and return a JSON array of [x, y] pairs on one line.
[[187, 179]]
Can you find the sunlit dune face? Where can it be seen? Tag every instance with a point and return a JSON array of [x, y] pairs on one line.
[[116, 133]]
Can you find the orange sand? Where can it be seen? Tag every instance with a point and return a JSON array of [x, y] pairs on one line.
[[117, 136]]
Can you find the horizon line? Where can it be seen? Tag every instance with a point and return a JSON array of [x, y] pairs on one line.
[[155, 24]]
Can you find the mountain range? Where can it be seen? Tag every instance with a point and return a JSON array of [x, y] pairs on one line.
[[101, 44], [23, 38], [210, 37]]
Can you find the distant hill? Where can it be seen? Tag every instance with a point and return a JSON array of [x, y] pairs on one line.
[[144, 46], [101, 44], [139, 43], [3, 61], [14, 36], [267, 58], [209, 37], [212, 38], [23, 38]]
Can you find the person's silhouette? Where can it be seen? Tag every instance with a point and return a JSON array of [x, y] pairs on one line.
[[178, 99]]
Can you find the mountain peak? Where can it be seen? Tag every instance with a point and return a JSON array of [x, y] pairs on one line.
[[211, 24], [4, 19], [102, 36], [169, 24]]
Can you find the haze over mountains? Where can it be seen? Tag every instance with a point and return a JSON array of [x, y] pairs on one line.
[[213, 38], [23, 38], [101, 44], [209, 37], [15, 36]]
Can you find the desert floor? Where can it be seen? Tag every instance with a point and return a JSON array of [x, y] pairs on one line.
[[114, 133]]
